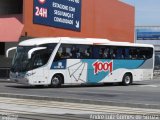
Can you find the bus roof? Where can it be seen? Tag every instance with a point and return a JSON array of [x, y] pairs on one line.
[[95, 41], [127, 44], [39, 41]]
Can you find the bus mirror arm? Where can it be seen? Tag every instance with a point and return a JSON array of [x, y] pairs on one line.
[[10, 49], [33, 50]]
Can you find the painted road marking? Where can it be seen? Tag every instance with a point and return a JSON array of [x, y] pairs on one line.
[[153, 86], [52, 107]]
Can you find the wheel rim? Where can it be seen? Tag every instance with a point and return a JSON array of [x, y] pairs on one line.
[[127, 79], [55, 81]]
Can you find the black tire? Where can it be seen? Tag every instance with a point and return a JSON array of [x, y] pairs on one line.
[[127, 80], [56, 81]]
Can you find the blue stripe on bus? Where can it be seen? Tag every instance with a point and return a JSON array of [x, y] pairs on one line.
[[126, 64], [95, 78]]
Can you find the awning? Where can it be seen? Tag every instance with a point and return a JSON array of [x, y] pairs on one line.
[[10, 28]]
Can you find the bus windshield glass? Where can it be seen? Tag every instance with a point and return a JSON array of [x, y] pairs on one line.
[[21, 62]]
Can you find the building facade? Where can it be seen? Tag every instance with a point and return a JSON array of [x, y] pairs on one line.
[[149, 35], [22, 19], [109, 19]]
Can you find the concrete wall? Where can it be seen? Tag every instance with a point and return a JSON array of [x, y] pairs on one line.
[[109, 19]]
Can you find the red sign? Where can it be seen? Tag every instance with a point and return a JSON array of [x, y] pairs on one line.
[[102, 66]]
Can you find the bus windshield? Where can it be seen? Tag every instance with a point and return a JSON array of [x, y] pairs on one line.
[[21, 62]]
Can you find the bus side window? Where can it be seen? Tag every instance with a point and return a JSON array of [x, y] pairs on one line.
[[88, 53], [145, 53], [149, 53], [134, 53], [38, 61], [141, 54], [73, 52], [113, 52], [119, 53], [76, 53], [64, 52], [102, 53], [127, 55], [83, 51], [96, 51], [123, 53]]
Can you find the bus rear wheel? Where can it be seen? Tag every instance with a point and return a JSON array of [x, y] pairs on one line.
[[127, 79], [56, 81]]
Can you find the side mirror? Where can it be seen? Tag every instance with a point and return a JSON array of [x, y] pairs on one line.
[[10, 49], [33, 50]]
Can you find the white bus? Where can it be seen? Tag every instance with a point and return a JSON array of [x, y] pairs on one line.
[[64, 60]]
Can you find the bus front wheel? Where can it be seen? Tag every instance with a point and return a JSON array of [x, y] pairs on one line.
[[127, 79], [56, 81]]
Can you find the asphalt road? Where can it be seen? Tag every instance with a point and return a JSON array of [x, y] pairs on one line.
[[29, 109], [45, 117], [139, 94]]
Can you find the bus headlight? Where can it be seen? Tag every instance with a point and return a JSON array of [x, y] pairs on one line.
[[29, 74]]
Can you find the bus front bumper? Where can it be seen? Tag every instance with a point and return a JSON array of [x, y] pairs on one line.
[[14, 77]]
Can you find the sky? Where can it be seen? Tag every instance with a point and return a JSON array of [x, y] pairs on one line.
[[147, 12]]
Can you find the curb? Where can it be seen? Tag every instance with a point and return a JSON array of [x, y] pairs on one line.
[[5, 80], [83, 101]]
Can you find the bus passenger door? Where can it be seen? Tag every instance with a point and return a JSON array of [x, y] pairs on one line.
[[39, 70]]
